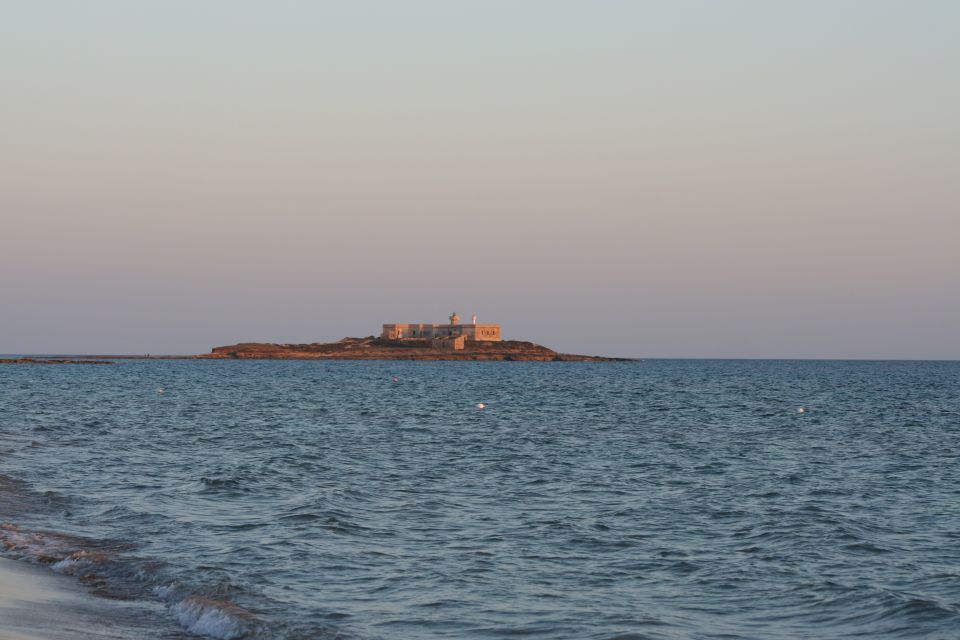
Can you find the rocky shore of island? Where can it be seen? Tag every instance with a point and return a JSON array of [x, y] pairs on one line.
[[374, 348]]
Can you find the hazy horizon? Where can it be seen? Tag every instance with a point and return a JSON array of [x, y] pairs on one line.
[[687, 179]]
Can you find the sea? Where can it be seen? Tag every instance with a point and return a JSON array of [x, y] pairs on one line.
[[655, 499]]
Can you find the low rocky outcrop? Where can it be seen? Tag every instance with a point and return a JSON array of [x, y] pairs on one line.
[[51, 361], [373, 348]]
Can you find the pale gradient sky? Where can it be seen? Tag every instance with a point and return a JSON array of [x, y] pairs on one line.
[[674, 178]]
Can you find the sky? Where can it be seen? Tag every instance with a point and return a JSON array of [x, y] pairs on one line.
[[752, 179]]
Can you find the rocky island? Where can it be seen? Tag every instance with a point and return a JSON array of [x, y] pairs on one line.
[[372, 348], [453, 341]]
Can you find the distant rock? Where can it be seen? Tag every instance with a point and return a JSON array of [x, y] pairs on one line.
[[51, 361]]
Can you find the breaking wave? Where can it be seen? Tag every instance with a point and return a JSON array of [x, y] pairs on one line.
[[215, 618], [101, 566]]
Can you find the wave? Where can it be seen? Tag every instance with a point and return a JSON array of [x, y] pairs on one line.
[[107, 568], [215, 618], [101, 566]]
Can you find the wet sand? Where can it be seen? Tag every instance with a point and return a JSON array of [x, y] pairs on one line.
[[38, 604]]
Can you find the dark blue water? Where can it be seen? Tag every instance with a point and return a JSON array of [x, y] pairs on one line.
[[659, 499]]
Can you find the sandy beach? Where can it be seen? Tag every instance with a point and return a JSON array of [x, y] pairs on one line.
[[38, 604]]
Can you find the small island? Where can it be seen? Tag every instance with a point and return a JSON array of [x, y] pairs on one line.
[[411, 341]]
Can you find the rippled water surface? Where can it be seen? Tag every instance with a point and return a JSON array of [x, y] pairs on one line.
[[656, 499]]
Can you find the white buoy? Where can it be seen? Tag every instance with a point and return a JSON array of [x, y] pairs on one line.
[[161, 390], [480, 405], [801, 410], [396, 379]]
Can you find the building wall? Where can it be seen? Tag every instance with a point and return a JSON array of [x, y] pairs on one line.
[[450, 344], [490, 332], [481, 332]]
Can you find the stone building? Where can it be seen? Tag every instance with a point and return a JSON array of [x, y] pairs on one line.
[[444, 333]]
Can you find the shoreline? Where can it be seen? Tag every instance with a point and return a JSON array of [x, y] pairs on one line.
[[57, 586], [373, 348], [38, 604]]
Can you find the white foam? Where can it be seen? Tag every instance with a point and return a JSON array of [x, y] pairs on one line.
[[164, 591], [214, 618], [64, 566]]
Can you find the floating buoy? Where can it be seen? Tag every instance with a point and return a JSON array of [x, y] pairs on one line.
[[396, 379], [480, 405], [161, 390], [801, 410]]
